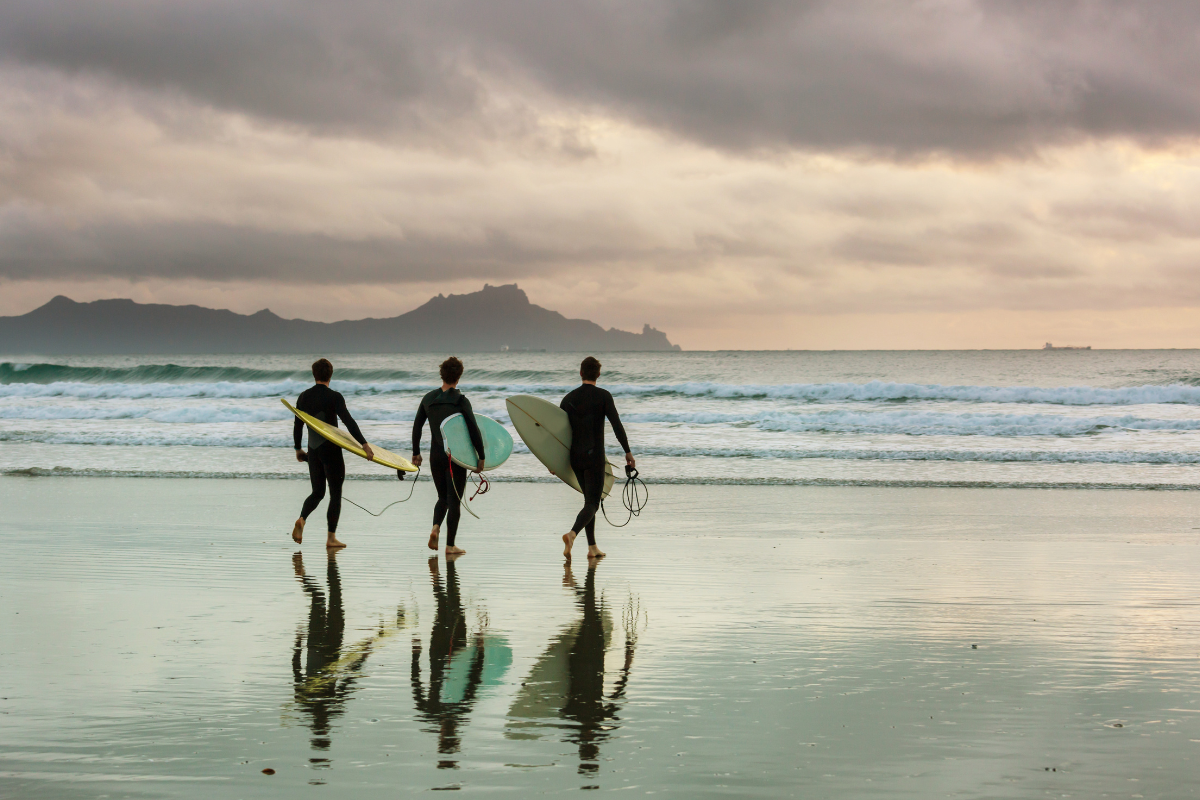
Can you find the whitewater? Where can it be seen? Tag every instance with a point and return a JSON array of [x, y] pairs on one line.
[[1004, 418]]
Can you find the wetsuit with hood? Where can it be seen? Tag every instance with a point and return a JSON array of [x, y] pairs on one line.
[[325, 462], [587, 407], [436, 408]]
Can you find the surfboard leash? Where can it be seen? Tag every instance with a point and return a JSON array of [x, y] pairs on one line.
[[389, 505], [454, 485], [632, 498]]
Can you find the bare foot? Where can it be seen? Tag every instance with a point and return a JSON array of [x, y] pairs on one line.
[[568, 542], [433, 537], [332, 543], [595, 552], [454, 551], [298, 531]]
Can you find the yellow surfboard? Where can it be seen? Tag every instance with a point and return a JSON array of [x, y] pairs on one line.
[[345, 441]]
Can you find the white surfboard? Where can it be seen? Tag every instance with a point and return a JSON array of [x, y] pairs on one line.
[[546, 431]]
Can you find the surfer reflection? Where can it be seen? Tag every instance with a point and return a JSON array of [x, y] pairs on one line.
[[460, 663], [324, 672], [567, 682]]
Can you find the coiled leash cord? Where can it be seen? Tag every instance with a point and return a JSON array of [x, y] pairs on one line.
[[632, 498], [399, 476], [482, 487]]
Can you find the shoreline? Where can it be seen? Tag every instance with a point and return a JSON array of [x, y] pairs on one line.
[[70, 472]]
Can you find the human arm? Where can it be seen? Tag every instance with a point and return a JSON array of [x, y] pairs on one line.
[[352, 427], [418, 429], [610, 411], [473, 432], [297, 428]]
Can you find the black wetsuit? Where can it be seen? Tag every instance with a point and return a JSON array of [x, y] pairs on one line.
[[588, 407], [437, 407], [325, 462]]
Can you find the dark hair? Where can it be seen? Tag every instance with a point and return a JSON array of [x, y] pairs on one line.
[[322, 370], [589, 370], [451, 370]]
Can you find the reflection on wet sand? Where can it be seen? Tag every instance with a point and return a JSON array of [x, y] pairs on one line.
[[567, 682], [461, 663], [324, 672]]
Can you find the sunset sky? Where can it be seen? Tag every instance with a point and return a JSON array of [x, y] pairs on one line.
[[945, 174]]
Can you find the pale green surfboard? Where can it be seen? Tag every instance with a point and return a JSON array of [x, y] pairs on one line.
[[497, 442], [546, 431]]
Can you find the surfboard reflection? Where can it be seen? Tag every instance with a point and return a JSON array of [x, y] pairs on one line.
[[568, 681], [462, 662], [324, 671]]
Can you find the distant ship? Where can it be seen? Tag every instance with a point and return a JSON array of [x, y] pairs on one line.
[[1049, 346]]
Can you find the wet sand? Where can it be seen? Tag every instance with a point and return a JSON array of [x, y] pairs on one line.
[[162, 639]]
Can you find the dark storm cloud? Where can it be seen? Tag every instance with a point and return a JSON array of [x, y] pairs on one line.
[[41, 250], [359, 65], [973, 79]]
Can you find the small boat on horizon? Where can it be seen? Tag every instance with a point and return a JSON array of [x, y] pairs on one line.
[[1049, 346]]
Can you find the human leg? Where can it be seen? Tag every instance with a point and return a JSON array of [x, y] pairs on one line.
[[591, 480], [593, 489], [316, 477], [335, 475], [454, 512], [438, 469]]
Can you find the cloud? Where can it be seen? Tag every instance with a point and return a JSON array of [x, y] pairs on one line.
[[962, 78], [744, 164], [238, 252]]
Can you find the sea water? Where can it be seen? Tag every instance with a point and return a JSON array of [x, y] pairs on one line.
[[900, 575], [1003, 418]]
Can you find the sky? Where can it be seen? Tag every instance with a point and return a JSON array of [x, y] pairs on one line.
[[744, 175]]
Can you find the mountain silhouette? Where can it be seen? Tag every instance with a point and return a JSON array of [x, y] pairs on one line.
[[495, 318]]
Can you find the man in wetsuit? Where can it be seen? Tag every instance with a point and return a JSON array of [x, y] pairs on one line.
[[437, 407], [587, 407], [325, 462]]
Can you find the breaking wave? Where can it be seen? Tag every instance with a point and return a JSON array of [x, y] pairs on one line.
[[243, 383]]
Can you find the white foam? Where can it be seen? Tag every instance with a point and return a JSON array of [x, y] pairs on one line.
[[806, 392], [898, 392], [920, 423], [190, 413]]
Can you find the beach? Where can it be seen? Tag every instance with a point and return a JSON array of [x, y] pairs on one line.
[[163, 639]]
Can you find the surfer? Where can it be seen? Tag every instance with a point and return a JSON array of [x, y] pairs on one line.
[[325, 462], [587, 407], [437, 407]]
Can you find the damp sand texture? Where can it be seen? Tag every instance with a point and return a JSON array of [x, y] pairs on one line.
[[161, 638]]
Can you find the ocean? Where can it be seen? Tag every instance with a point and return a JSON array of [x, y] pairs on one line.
[[1073, 419], [850, 581]]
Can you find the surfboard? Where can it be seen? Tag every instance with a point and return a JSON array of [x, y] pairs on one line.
[[546, 431], [345, 441], [497, 442]]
